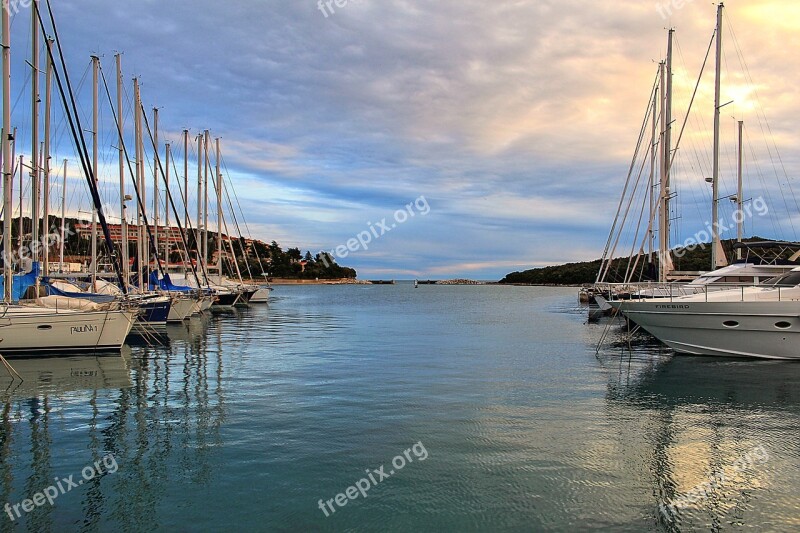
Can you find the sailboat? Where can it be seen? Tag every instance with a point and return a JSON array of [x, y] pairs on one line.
[[759, 322], [47, 325]]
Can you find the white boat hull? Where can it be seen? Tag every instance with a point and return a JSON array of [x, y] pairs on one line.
[[261, 296], [32, 331], [765, 330], [206, 303], [181, 309]]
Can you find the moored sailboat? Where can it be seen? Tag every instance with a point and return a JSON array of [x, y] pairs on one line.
[[759, 322], [46, 326]]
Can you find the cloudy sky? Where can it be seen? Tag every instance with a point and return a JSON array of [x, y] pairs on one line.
[[515, 120]]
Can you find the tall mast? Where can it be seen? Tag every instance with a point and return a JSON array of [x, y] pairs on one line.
[[653, 145], [121, 157], [63, 219], [663, 214], [21, 189], [665, 260], [740, 197], [717, 258], [219, 214], [186, 179], [139, 182], [34, 129], [198, 240], [48, 97], [155, 180], [167, 230], [6, 45], [95, 158], [668, 133], [206, 139]]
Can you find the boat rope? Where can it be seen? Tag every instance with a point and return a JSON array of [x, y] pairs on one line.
[[608, 253], [244, 221], [10, 369], [73, 118]]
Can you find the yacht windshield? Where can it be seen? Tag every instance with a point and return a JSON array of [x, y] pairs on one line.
[[789, 279]]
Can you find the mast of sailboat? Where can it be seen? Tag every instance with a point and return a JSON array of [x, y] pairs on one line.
[[739, 197], [63, 218], [717, 255], [186, 179], [48, 99], [121, 141], [12, 140], [206, 163], [139, 182], [219, 214], [663, 204], [35, 102], [199, 236], [95, 160], [73, 120], [6, 45], [21, 167], [21, 198], [667, 258], [167, 230], [155, 182], [186, 193], [652, 184]]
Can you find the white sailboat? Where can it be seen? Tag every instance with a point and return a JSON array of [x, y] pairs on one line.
[[47, 325]]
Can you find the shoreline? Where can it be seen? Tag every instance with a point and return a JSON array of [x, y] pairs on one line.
[[349, 281], [291, 281]]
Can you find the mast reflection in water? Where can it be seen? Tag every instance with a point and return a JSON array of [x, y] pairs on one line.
[[156, 408]]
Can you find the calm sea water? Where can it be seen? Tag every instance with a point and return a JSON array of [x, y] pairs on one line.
[[489, 404]]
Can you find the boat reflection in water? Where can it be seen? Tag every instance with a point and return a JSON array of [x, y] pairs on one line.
[[157, 409], [68, 374], [713, 434]]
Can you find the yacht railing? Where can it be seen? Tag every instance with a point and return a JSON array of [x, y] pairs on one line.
[[670, 291]]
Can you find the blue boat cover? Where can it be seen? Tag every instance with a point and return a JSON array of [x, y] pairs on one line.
[[21, 282], [165, 284]]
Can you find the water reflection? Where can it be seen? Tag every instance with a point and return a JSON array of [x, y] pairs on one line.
[[157, 408], [699, 422]]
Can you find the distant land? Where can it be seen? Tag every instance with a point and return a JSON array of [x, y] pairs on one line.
[[685, 259], [255, 258]]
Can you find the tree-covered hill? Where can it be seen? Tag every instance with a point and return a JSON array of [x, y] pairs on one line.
[[684, 259]]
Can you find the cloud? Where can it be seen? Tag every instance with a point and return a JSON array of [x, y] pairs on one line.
[[516, 119]]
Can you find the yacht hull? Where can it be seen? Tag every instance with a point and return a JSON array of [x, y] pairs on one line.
[[26, 332], [154, 313], [225, 299], [763, 330], [206, 303], [181, 309], [244, 297], [261, 296]]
